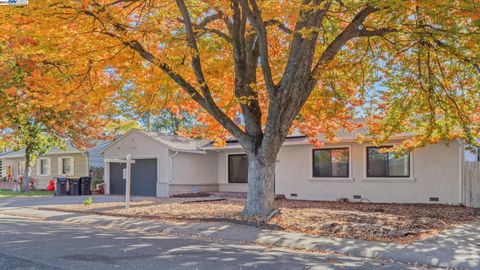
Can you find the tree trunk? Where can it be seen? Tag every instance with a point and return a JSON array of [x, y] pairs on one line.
[[26, 174], [261, 184]]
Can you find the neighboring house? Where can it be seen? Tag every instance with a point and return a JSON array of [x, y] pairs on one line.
[[70, 162], [167, 165]]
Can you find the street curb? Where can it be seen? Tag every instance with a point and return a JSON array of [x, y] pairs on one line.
[[156, 217], [210, 230], [416, 253]]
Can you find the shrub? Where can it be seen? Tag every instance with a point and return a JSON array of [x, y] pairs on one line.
[[88, 201], [95, 182]]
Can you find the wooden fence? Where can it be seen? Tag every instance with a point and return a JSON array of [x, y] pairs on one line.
[[96, 172], [471, 182]]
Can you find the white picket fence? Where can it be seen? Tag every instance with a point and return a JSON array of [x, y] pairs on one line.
[[471, 182]]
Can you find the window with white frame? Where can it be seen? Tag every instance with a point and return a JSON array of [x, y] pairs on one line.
[[43, 166], [381, 163], [66, 166], [331, 162]]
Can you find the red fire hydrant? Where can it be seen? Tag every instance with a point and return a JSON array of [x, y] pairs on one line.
[[51, 185]]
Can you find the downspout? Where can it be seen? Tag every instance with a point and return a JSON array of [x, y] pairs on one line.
[[461, 164], [170, 166]]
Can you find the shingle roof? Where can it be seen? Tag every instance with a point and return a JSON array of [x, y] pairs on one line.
[[175, 142], [69, 148]]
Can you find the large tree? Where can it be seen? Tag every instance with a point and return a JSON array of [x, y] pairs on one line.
[[37, 109], [262, 69]]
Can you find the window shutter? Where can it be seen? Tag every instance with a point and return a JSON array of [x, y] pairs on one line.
[[60, 166], [39, 166]]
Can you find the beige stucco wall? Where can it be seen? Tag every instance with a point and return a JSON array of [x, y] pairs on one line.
[[435, 172], [80, 168], [194, 170]]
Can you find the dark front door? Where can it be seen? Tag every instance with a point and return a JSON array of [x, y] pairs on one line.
[[144, 178]]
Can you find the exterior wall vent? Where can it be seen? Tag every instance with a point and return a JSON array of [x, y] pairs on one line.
[[357, 197], [293, 194], [434, 199]]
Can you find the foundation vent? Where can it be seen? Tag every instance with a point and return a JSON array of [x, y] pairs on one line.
[[434, 199], [293, 194], [357, 197]]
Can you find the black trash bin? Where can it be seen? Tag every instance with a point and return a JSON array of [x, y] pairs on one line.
[[85, 185], [61, 186], [74, 186]]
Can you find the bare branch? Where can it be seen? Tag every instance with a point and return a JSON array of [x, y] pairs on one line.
[[280, 25], [352, 30]]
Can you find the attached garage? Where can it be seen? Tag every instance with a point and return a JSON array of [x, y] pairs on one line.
[[144, 178], [165, 165]]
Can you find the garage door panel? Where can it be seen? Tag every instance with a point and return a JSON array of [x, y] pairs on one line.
[[144, 178], [117, 183], [144, 175]]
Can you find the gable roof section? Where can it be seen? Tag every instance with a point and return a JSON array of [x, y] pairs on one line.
[[172, 142]]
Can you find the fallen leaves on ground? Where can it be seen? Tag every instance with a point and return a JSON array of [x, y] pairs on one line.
[[368, 221]]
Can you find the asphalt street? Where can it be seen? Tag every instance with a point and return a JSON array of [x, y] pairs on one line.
[[37, 245]]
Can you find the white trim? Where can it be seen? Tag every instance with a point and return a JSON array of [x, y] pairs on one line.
[[170, 165], [332, 179], [141, 132], [6, 156], [389, 180], [461, 164], [236, 145], [87, 163], [60, 165], [20, 172], [133, 157], [39, 166], [226, 167], [365, 178]]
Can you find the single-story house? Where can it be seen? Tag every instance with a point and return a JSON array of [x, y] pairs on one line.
[[167, 165], [70, 162]]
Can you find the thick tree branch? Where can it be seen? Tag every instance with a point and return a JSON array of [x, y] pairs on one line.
[[197, 67], [255, 18], [245, 53], [207, 20], [206, 101], [375, 32], [352, 30], [302, 48]]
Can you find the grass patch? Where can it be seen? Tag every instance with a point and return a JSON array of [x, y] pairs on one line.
[[35, 192]]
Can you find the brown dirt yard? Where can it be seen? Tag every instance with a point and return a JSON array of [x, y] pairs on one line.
[[369, 221]]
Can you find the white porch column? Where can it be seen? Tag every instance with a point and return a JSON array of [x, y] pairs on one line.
[[106, 177]]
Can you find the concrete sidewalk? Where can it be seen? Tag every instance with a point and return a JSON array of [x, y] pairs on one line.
[[458, 248]]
